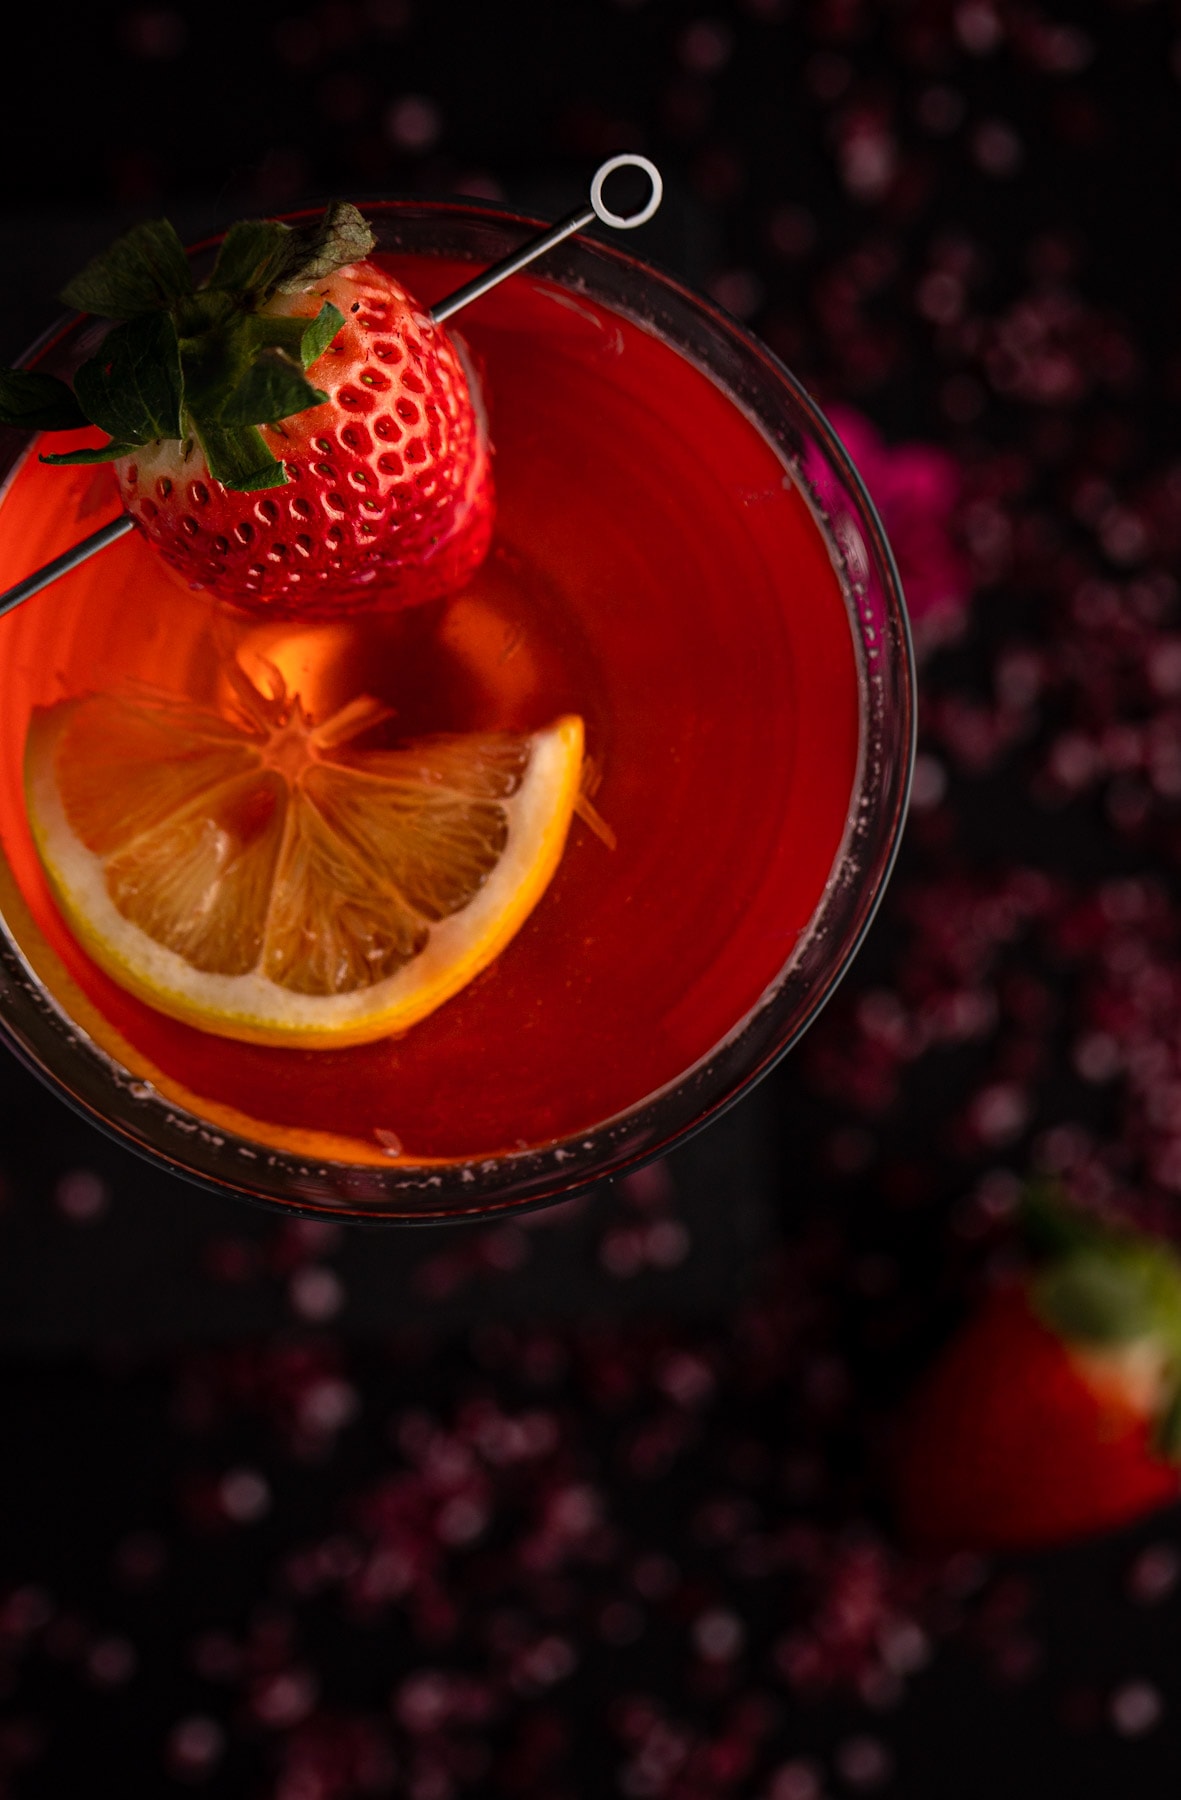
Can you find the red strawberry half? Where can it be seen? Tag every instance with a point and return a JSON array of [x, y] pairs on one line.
[[1054, 1413], [294, 434]]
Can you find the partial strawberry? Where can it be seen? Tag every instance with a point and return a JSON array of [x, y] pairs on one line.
[[1056, 1411], [297, 365]]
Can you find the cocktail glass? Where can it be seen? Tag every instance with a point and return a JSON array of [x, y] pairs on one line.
[[48, 1022]]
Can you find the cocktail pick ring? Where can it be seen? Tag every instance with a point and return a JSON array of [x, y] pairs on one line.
[[557, 234], [442, 309]]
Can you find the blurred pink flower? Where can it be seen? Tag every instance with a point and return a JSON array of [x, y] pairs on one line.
[[916, 489]]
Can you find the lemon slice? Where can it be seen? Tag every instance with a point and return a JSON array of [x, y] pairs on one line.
[[253, 876]]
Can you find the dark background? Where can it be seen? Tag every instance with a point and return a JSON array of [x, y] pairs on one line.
[[592, 1503]]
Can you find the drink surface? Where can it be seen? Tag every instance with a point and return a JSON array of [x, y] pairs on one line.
[[654, 570]]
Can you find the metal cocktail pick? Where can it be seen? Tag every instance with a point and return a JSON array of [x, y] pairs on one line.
[[442, 309]]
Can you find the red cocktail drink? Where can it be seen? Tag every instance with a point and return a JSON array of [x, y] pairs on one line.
[[663, 567]]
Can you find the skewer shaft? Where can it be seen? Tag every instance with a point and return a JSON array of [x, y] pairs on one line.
[[61, 565], [482, 284]]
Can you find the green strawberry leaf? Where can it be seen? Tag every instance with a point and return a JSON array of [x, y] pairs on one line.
[[254, 255], [133, 387], [342, 236], [214, 363], [238, 457], [38, 402], [1098, 1284], [261, 331], [1126, 1290], [272, 388], [320, 332], [143, 271], [258, 256], [1087, 1302], [302, 339], [219, 367], [207, 310]]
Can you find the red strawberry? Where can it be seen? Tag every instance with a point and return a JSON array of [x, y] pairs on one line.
[[292, 434], [1054, 1413]]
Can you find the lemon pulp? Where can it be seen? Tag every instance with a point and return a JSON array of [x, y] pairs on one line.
[[257, 877]]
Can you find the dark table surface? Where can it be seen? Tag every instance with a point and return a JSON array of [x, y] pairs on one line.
[[591, 1503]]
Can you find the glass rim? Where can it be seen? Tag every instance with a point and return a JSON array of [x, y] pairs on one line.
[[433, 1192]]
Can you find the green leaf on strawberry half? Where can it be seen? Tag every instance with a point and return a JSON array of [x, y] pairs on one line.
[[300, 364]]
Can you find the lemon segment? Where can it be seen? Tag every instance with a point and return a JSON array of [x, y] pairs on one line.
[[263, 882]]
